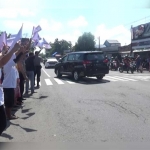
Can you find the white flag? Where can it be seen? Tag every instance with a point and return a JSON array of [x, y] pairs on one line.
[[46, 46], [37, 29], [2, 40], [16, 39], [10, 41], [44, 41], [40, 44], [13, 35], [36, 37]]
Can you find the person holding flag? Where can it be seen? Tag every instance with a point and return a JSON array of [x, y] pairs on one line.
[[3, 61]]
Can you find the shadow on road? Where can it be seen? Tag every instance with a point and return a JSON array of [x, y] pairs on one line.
[[26, 129], [26, 110], [29, 115], [85, 80], [7, 136], [42, 97]]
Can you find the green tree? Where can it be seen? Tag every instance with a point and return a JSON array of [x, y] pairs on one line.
[[85, 42], [59, 47]]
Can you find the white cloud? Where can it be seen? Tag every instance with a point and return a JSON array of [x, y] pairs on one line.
[[78, 22], [72, 36], [8, 13], [14, 26], [51, 25], [119, 33], [14, 13]]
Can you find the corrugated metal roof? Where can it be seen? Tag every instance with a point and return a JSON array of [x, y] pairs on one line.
[[112, 41]]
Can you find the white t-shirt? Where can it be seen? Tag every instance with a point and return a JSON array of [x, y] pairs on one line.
[[1, 92], [10, 74], [17, 73]]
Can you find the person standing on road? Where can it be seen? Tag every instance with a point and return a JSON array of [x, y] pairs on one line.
[[22, 76], [37, 65], [30, 72], [9, 82], [138, 62]]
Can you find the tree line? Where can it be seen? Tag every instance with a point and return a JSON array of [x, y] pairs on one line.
[[85, 42]]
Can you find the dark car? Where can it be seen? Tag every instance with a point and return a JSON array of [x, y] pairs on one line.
[[82, 64]]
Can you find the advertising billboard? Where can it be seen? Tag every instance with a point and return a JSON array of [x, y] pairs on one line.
[[141, 31], [141, 36]]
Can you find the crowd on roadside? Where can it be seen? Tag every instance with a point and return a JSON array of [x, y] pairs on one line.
[[137, 60], [18, 69]]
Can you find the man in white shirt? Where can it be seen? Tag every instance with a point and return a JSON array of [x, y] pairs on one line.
[[9, 85], [3, 60]]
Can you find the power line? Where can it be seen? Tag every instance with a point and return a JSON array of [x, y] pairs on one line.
[[137, 21]]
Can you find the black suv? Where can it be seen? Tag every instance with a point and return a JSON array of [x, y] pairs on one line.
[[82, 64]]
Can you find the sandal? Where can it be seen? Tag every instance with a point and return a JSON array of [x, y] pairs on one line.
[[13, 117]]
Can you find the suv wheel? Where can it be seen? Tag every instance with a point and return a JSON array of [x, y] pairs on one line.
[[99, 77], [75, 76], [58, 74]]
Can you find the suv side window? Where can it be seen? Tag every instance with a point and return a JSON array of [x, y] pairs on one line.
[[79, 57], [71, 57], [64, 59]]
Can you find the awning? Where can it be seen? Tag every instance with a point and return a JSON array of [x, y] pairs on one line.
[[126, 52], [145, 50]]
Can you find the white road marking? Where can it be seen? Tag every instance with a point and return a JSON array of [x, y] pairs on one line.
[[125, 78], [143, 78], [107, 78], [46, 73], [70, 82], [48, 82], [116, 78], [58, 81]]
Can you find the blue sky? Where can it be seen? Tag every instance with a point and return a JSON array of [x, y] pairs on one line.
[[68, 19]]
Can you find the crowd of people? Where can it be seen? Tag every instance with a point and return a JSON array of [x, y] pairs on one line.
[[19, 69], [138, 60]]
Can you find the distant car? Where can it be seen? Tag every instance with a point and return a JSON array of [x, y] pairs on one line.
[[82, 64], [51, 62]]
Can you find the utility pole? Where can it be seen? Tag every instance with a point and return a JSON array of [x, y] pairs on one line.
[[99, 43]]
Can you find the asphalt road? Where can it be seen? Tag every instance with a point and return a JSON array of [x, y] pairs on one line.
[[116, 109]]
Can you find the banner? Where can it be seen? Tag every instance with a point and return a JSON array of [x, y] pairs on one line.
[[141, 31], [140, 36]]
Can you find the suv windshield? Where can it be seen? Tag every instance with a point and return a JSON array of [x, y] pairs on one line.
[[94, 56]]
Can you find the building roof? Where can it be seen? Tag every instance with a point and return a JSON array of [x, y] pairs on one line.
[[101, 46], [113, 41]]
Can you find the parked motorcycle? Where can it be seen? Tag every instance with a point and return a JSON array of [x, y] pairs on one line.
[[123, 67], [113, 65], [145, 65]]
